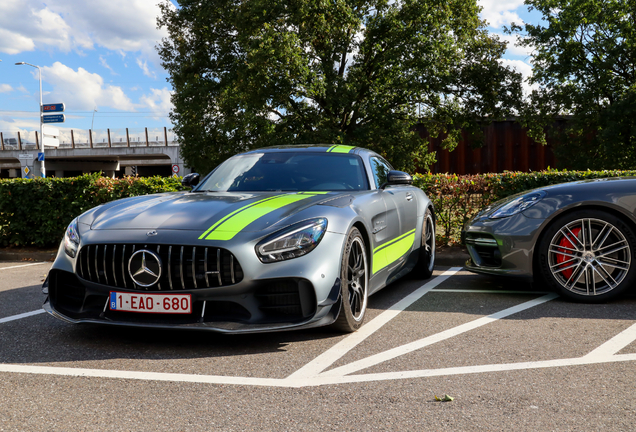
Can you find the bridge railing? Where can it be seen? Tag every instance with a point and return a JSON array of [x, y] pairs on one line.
[[101, 138]]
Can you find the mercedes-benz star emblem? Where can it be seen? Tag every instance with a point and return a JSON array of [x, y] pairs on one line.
[[152, 233], [144, 267]]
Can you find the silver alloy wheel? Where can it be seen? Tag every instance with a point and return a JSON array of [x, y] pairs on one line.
[[357, 279], [589, 256]]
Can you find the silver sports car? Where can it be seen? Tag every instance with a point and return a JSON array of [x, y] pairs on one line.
[[272, 239], [578, 238]]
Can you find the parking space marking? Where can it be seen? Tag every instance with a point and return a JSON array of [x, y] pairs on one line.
[[430, 340], [464, 370], [616, 343], [329, 357], [22, 315], [468, 291], [312, 373], [24, 265]]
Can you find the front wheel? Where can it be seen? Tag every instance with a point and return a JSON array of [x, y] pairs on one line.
[[354, 278], [587, 256]]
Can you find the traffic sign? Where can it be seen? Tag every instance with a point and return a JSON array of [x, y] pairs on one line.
[[26, 171], [175, 168], [50, 130], [53, 118], [50, 141], [40, 156], [58, 107]]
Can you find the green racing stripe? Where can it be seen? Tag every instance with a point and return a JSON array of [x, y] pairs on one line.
[[227, 227], [391, 251], [340, 149]]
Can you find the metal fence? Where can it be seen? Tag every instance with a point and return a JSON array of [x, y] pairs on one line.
[[77, 138], [506, 147]]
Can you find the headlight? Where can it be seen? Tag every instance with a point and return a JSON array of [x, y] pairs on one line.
[[518, 205], [292, 242], [71, 239]]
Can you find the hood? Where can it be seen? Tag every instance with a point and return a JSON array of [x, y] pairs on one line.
[[212, 213]]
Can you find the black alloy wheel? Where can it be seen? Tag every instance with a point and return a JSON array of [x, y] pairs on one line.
[[354, 280], [426, 258]]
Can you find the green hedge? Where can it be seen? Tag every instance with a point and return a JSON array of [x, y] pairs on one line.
[[459, 198], [36, 212]]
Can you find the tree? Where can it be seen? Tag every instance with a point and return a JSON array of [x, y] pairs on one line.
[[584, 66], [256, 73]]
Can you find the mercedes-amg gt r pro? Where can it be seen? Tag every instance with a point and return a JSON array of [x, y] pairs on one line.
[[272, 239]]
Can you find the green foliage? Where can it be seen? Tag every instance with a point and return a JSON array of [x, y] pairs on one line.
[[36, 212], [257, 73], [584, 53], [458, 198]]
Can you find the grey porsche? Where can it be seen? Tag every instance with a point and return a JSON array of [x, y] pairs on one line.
[[577, 238], [272, 239]]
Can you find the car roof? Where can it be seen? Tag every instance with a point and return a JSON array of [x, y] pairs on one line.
[[312, 148]]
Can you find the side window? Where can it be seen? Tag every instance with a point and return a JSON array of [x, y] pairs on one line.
[[380, 169]]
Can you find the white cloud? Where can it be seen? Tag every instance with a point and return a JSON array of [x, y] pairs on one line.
[[514, 49], [499, 13], [144, 67], [158, 100], [524, 69], [5, 88], [103, 62], [118, 25], [82, 90]]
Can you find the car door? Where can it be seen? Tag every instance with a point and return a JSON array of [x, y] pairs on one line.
[[401, 216]]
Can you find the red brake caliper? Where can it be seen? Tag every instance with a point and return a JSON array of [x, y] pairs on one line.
[[568, 243]]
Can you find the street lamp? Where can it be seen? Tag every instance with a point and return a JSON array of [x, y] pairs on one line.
[[41, 135]]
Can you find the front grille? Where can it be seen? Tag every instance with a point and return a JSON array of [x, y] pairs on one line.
[[183, 267], [483, 249]]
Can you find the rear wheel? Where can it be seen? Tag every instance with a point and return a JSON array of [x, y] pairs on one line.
[[354, 278], [426, 259], [588, 256]]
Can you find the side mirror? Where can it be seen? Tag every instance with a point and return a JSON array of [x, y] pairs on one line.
[[191, 180], [397, 178]]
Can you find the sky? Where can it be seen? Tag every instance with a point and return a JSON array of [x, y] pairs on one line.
[[98, 57]]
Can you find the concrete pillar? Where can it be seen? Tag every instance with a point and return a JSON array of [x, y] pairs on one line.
[[59, 173], [175, 160], [13, 173]]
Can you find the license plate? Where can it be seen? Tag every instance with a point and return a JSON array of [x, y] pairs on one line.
[[151, 303]]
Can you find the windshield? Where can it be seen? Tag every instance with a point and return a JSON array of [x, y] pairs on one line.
[[288, 171]]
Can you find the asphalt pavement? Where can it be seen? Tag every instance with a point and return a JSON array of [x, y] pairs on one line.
[[510, 355]]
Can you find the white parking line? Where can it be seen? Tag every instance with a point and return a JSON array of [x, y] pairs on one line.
[[334, 353], [22, 315], [312, 374], [430, 340], [616, 343], [24, 265]]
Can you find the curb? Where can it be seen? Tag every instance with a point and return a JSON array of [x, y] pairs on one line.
[[45, 255]]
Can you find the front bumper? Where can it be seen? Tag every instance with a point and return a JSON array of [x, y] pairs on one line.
[[266, 305], [502, 246]]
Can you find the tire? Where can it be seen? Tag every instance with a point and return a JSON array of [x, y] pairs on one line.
[[426, 258], [354, 282], [588, 256]]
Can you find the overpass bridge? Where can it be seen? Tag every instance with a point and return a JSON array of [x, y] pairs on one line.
[[20, 159]]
